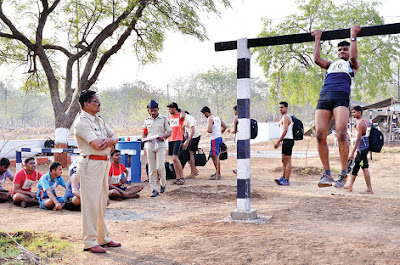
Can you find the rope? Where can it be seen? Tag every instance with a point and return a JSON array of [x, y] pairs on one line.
[[32, 256]]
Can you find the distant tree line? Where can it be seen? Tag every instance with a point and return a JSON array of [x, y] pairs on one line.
[[126, 106], [22, 109]]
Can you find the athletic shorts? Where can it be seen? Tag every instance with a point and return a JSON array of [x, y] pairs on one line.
[[361, 160], [41, 201], [330, 100], [70, 206], [120, 187], [194, 144], [215, 146], [287, 147], [173, 147]]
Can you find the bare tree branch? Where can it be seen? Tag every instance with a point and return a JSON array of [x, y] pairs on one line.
[[17, 35], [58, 48]]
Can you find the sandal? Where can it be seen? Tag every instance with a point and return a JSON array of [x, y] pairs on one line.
[[180, 181], [215, 177]]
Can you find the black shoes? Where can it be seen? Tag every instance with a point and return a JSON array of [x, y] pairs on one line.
[[154, 193], [162, 189]]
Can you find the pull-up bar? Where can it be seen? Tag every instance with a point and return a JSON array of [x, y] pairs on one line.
[[244, 211], [386, 29]]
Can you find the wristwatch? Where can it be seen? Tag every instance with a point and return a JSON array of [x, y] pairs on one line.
[[353, 38]]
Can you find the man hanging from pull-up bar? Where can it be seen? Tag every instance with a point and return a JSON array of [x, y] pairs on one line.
[[334, 99]]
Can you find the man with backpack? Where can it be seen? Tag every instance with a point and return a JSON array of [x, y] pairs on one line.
[[362, 147], [286, 128], [216, 127]]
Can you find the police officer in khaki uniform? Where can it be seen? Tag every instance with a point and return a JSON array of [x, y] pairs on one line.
[[154, 125], [94, 139]]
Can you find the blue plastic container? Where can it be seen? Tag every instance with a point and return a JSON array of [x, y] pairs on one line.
[[132, 161]]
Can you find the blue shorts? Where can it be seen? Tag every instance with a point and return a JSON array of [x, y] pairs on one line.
[[215, 146], [41, 201], [120, 187]]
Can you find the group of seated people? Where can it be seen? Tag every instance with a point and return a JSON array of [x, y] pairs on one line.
[[46, 197]]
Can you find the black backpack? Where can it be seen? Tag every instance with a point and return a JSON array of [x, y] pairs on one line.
[[376, 140], [253, 128], [223, 152], [298, 129], [48, 144], [170, 170]]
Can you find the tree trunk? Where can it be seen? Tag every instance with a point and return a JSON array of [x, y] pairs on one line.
[[63, 125]]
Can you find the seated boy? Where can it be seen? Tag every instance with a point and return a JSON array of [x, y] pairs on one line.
[[116, 180], [46, 194], [5, 195], [23, 182], [72, 197]]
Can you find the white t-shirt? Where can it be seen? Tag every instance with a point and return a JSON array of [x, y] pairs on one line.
[[188, 123]]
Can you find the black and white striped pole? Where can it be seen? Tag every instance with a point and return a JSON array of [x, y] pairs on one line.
[[243, 211]]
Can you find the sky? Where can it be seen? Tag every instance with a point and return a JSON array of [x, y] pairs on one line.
[[184, 55]]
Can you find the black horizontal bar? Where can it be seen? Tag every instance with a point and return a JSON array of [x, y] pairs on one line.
[[386, 29]]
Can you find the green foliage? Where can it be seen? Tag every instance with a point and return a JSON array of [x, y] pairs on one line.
[[216, 88], [53, 37], [127, 105], [26, 109], [290, 68], [45, 245]]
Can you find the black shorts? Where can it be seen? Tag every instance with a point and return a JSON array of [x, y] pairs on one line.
[[174, 147], [332, 99], [287, 147], [194, 144], [361, 160], [70, 206]]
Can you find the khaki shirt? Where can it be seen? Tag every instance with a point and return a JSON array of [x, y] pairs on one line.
[[88, 128], [158, 126]]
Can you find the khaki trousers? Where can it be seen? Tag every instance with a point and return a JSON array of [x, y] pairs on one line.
[[93, 176], [156, 162]]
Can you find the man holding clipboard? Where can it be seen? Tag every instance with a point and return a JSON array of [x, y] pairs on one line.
[[155, 131]]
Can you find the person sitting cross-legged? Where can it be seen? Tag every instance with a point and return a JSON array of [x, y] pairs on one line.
[[46, 194], [72, 196], [116, 181], [23, 182], [5, 195]]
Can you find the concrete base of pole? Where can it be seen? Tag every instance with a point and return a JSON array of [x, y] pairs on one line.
[[244, 215]]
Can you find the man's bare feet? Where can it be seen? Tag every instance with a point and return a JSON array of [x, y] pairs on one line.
[[367, 192], [348, 188]]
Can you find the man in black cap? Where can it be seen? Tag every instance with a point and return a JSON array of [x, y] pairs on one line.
[[176, 120], [156, 125]]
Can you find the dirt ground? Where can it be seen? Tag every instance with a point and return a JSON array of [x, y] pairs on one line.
[[188, 224]]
